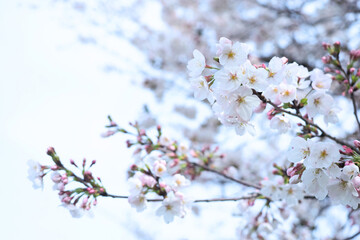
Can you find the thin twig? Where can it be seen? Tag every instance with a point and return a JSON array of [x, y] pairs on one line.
[[352, 96], [196, 201], [225, 176], [353, 236], [307, 121]]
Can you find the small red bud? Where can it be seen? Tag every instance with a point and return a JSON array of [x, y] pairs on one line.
[[134, 167], [142, 132], [325, 45], [326, 59], [357, 143], [326, 69], [54, 168], [93, 162], [50, 151]]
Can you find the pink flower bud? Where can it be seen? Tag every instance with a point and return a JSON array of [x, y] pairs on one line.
[[174, 163], [356, 182], [65, 181], [134, 167], [294, 179], [91, 191], [93, 162], [347, 163], [50, 151], [337, 71], [66, 200], [108, 134], [352, 70], [327, 70], [348, 150], [355, 54], [142, 132], [351, 90], [325, 45], [260, 108], [357, 143], [346, 81], [290, 172], [54, 167], [326, 59]]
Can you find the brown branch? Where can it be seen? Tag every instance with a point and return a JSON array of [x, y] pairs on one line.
[[353, 236], [195, 201], [307, 121], [225, 176], [355, 109]]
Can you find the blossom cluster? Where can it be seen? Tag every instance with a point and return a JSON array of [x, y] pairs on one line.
[[77, 194], [163, 168], [238, 88]]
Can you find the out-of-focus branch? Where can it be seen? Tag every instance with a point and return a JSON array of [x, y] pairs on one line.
[[225, 176], [353, 236]]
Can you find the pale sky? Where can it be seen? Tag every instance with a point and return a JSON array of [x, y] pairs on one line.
[[54, 92]]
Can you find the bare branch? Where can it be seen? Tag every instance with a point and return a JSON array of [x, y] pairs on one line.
[[251, 196], [352, 96], [225, 176]]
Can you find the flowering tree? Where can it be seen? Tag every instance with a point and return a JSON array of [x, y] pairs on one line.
[[296, 159]]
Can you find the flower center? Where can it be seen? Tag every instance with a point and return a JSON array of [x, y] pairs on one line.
[[271, 74], [231, 55], [323, 154], [240, 100], [319, 85], [316, 101], [286, 93], [252, 80], [233, 77]]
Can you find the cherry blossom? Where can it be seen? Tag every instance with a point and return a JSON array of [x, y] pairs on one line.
[[196, 65]]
